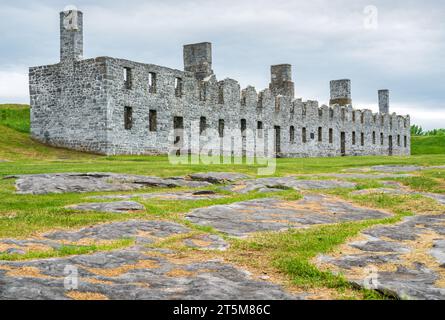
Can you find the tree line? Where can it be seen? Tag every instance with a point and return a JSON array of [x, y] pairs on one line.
[[418, 131]]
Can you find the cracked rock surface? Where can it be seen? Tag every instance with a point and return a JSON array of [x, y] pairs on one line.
[[277, 184], [242, 218], [207, 242], [367, 175], [398, 168], [93, 182], [133, 274], [393, 169], [112, 207], [137, 272], [406, 259], [143, 231], [180, 195], [218, 177]]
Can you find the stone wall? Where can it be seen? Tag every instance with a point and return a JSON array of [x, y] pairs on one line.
[[80, 104], [71, 35], [69, 105], [232, 108]]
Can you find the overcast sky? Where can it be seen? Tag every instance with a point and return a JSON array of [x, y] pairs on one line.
[[402, 48]]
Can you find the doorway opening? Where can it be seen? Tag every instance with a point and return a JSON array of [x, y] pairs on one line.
[[343, 144]]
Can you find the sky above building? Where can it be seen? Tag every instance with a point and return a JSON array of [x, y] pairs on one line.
[[395, 45]]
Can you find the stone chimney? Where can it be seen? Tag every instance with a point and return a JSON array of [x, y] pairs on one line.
[[384, 101], [281, 80], [198, 59], [71, 35], [341, 92]]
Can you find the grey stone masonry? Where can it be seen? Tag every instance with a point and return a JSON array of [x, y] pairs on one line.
[[340, 92], [281, 80], [114, 106], [198, 59], [71, 35], [384, 101]]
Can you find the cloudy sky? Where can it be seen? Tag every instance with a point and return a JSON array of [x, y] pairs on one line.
[[398, 45]]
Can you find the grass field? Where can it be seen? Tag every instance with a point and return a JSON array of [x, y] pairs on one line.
[[428, 145], [15, 116], [288, 253]]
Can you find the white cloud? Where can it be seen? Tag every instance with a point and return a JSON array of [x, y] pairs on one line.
[[322, 39], [14, 86], [420, 114]]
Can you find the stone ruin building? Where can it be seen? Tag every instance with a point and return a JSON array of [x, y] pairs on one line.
[[114, 106]]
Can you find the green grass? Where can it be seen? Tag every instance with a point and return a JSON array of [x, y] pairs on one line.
[[427, 145], [70, 250], [34, 158], [438, 174], [423, 183], [16, 144], [292, 253], [24, 215], [15, 117]]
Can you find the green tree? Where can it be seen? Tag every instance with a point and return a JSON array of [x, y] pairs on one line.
[[416, 130], [436, 132]]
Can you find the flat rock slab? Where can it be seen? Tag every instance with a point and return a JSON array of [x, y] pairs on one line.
[[207, 242], [143, 231], [242, 218], [411, 229], [377, 245], [180, 195], [365, 192], [21, 247], [278, 184], [111, 207], [135, 273], [406, 260], [398, 168], [395, 168], [392, 184], [94, 182], [438, 197], [438, 252], [218, 177], [363, 176]]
